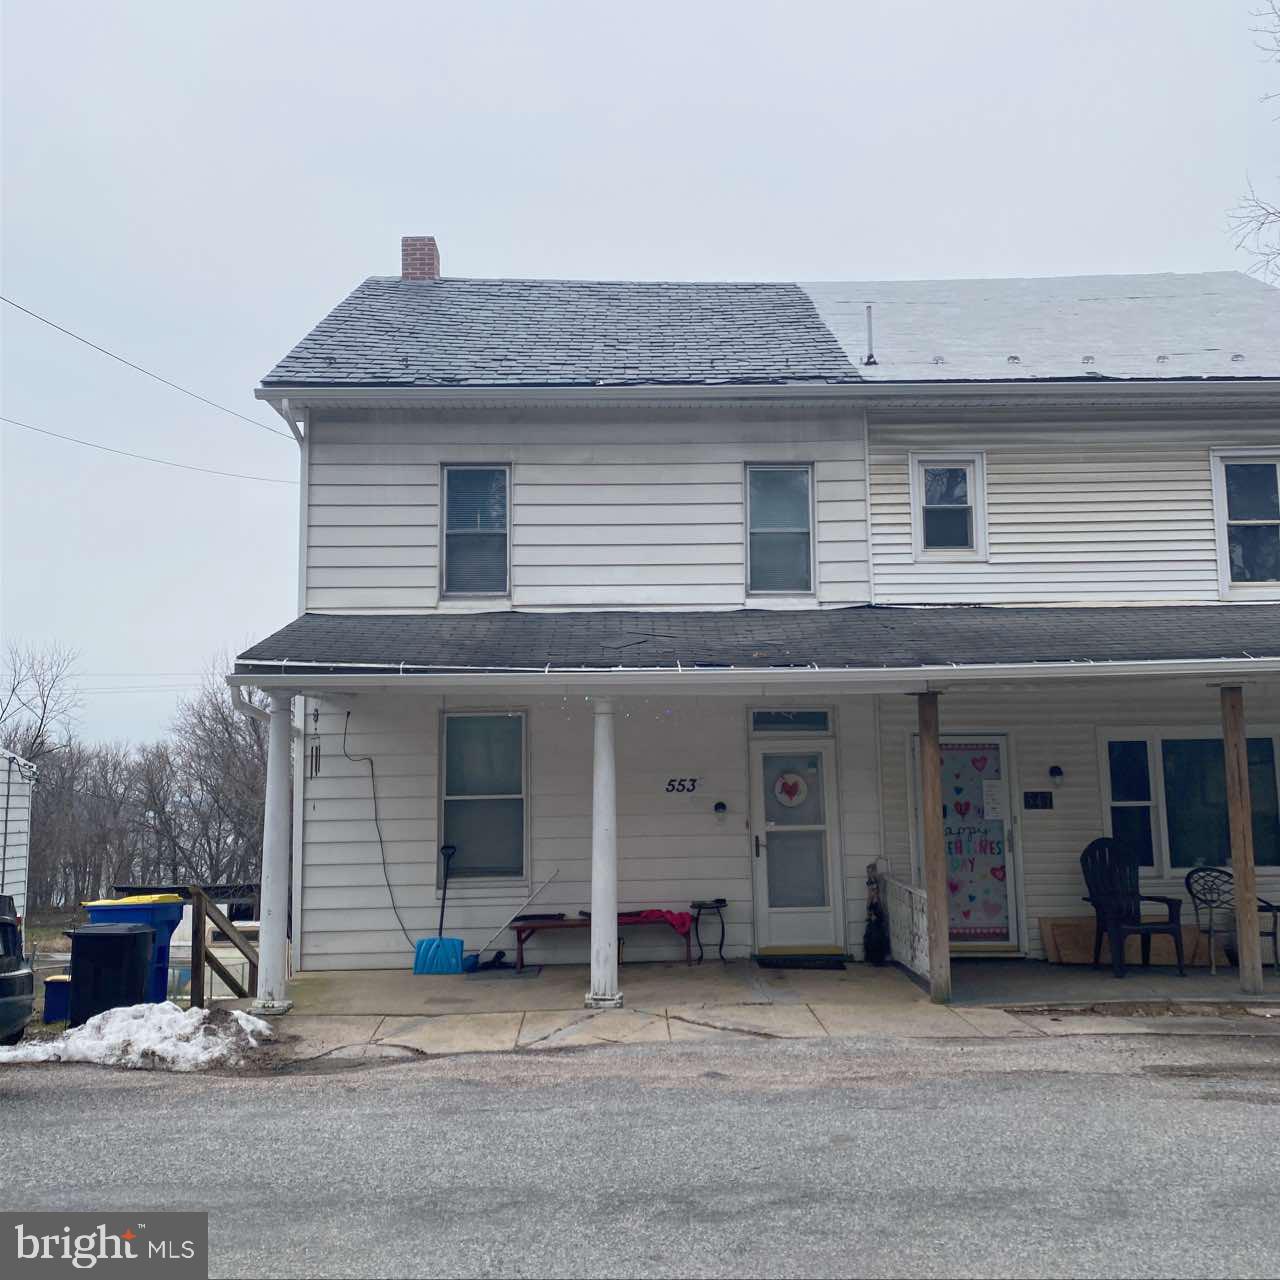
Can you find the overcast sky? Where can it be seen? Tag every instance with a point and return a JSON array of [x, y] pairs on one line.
[[193, 186]]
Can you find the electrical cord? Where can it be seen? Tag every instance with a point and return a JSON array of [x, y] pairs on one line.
[[377, 825]]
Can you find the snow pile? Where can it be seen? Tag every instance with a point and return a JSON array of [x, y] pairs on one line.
[[160, 1036]]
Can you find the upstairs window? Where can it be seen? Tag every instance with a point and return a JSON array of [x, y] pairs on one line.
[[476, 525], [779, 530], [948, 517], [1251, 488]]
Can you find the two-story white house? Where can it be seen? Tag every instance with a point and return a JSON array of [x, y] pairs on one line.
[[659, 587]]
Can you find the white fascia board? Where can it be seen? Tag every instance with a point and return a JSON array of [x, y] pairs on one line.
[[1085, 389], [727, 680]]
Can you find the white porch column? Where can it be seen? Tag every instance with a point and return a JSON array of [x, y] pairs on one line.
[[273, 940], [604, 993]]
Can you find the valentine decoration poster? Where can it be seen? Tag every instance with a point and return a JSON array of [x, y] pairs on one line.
[[973, 789]]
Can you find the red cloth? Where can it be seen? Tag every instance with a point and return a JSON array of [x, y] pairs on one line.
[[680, 921]]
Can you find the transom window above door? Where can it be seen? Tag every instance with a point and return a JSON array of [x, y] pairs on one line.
[[948, 511], [476, 531], [1249, 520], [779, 530]]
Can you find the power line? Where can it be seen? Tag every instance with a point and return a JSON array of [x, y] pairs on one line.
[[142, 457], [253, 422]]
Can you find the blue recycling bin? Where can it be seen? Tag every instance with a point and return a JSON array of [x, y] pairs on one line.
[[161, 911]]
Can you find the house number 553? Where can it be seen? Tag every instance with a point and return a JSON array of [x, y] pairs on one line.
[[682, 784]]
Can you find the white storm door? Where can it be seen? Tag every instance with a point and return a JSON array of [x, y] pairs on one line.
[[795, 846]]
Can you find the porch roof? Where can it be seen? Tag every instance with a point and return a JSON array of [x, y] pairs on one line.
[[859, 638]]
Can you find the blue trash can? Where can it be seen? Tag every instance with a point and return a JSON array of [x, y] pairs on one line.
[[57, 997], [161, 911]]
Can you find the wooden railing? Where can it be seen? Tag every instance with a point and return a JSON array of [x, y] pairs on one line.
[[906, 906], [204, 913]]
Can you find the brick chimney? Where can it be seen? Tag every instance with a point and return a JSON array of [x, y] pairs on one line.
[[419, 258]]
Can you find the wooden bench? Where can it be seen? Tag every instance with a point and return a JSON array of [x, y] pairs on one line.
[[525, 929]]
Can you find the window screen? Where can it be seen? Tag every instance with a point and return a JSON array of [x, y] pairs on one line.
[[484, 794], [947, 506], [1253, 521], [780, 552], [475, 556], [790, 722], [1131, 798], [1195, 801]]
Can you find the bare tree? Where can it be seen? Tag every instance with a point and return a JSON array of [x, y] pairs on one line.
[[1255, 221], [38, 698]]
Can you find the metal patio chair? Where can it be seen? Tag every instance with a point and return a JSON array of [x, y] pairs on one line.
[[1111, 876], [1212, 890]]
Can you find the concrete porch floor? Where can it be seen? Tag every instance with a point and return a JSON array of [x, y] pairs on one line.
[[393, 1013], [1031, 982]]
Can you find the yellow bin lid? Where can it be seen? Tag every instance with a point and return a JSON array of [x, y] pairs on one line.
[[138, 899]]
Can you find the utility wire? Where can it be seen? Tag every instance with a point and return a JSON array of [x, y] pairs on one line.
[[142, 457], [253, 422]]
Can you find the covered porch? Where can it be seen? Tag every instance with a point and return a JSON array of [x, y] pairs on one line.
[[352, 838]]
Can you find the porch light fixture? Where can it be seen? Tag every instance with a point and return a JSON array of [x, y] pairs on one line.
[[1056, 775]]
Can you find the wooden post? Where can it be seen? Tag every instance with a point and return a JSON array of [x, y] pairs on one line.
[[197, 947], [1235, 745], [934, 848]]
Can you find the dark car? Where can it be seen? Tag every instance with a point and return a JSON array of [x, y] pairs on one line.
[[17, 982]]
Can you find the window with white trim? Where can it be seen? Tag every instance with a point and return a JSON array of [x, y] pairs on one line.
[[779, 530], [475, 531], [1251, 501], [948, 506], [483, 804], [1165, 794]]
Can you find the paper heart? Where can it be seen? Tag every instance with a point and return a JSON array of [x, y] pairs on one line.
[[966, 914], [790, 789], [978, 762], [958, 790], [998, 872], [973, 897], [963, 807], [956, 774], [953, 886]]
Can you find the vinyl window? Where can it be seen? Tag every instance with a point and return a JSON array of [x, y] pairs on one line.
[[1166, 798], [1251, 489], [948, 514], [484, 794], [476, 526], [779, 530]]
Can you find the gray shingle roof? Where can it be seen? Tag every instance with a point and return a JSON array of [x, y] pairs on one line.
[[568, 333], [1212, 324], [864, 636]]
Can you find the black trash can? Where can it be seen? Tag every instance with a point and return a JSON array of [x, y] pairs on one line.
[[110, 967]]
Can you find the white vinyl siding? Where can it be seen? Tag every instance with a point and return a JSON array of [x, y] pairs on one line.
[[1075, 512], [1052, 725], [15, 793], [605, 512], [672, 846]]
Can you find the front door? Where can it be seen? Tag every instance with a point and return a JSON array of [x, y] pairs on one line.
[[977, 826], [795, 847]]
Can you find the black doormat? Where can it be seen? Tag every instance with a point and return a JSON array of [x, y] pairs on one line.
[[799, 962]]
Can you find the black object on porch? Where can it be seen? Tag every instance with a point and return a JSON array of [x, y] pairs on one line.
[[1212, 889], [1111, 876]]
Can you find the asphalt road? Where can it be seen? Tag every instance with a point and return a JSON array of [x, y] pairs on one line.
[[1097, 1156]]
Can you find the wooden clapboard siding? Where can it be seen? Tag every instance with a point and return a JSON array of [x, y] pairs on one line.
[[606, 514], [1093, 512], [1052, 725], [672, 846]]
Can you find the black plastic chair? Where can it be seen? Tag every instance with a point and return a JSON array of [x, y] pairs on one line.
[[1212, 890], [1111, 876]]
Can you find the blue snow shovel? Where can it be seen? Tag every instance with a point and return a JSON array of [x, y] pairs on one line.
[[440, 954]]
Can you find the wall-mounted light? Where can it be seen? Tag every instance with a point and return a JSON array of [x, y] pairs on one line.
[[721, 808], [1056, 775]]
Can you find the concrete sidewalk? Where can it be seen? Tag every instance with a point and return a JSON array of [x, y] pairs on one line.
[[392, 1013]]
